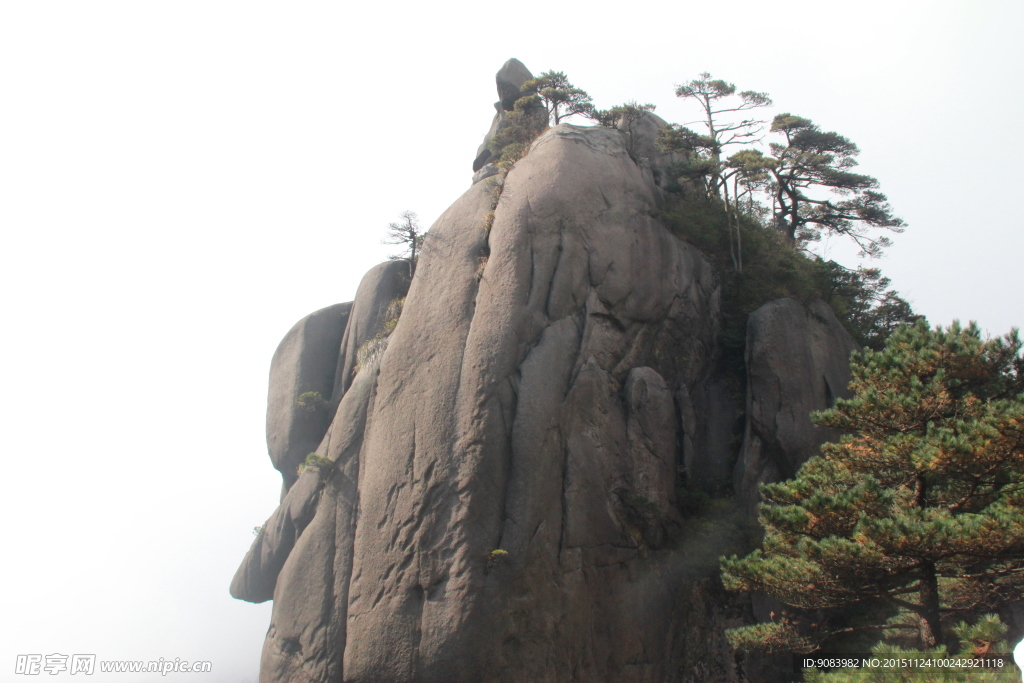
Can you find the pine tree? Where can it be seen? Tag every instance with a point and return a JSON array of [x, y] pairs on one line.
[[560, 97], [862, 299], [409, 235], [915, 519], [717, 97], [812, 159]]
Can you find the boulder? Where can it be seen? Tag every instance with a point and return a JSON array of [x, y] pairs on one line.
[[798, 361], [486, 172], [305, 361], [483, 156], [510, 79]]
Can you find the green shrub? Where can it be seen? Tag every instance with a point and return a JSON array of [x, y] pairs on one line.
[[317, 461], [524, 124], [311, 402]]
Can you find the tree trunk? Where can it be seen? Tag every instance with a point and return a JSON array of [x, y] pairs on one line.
[[728, 226], [736, 210], [930, 624], [785, 226]]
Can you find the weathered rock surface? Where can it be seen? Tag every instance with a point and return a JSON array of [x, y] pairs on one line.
[[528, 410], [475, 446], [651, 432], [304, 361], [306, 638], [503, 496], [797, 362]]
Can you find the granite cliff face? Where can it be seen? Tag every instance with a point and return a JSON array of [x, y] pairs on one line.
[[503, 497]]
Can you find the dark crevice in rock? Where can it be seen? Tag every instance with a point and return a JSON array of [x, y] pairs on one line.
[[563, 499], [554, 272]]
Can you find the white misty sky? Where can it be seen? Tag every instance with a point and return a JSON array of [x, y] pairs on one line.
[[182, 181]]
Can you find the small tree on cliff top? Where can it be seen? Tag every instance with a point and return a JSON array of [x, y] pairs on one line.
[[717, 97], [915, 519], [625, 117], [408, 234], [812, 159], [561, 98]]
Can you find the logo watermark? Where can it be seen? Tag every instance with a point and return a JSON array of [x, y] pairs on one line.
[[35, 665]]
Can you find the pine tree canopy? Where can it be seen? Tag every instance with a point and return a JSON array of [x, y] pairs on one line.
[[408, 235], [814, 159], [915, 519], [561, 98]]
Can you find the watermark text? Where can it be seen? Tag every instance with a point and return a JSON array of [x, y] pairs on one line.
[[35, 665]]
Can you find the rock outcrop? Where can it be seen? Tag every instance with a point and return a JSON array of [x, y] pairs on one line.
[[499, 492], [797, 362], [305, 361], [510, 79]]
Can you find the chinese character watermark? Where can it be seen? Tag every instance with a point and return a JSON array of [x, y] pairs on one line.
[[83, 664]]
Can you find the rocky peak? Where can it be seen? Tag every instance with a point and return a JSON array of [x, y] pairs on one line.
[[509, 80], [499, 493]]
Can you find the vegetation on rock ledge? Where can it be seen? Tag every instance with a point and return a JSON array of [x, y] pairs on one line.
[[755, 215], [311, 402], [372, 349]]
